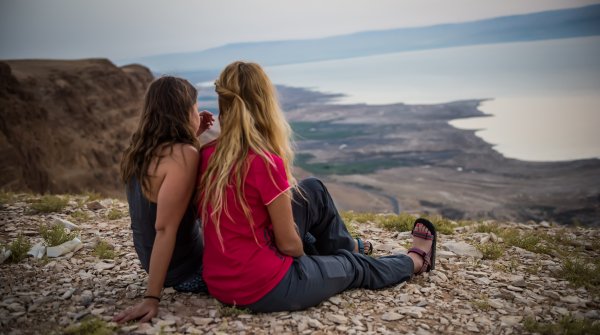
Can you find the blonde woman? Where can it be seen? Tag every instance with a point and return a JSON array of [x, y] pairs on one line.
[[160, 169], [259, 222]]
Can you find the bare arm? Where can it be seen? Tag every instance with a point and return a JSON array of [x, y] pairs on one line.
[[172, 200], [287, 239]]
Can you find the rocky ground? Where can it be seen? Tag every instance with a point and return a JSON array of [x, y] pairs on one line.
[[469, 292]]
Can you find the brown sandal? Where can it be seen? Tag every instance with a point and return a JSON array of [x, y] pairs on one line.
[[428, 257], [361, 247]]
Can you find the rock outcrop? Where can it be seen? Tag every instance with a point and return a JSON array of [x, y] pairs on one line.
[[64, 124]]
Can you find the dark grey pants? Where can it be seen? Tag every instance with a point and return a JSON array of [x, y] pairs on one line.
[[330, 265]]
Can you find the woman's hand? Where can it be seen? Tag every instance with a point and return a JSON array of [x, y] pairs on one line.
[[145, 311], [206, 121]]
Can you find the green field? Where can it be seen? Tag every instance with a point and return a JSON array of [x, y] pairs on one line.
[[356, 167], [325, 131]]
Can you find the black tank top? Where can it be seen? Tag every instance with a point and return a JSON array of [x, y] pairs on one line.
[[187, 256]]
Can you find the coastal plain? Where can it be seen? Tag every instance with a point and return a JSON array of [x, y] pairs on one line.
[[399, 157]]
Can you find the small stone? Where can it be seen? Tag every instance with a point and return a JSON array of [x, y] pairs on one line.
[[415, 312], [339, 319], [128, 329], [571, 299], [483, 281], [553, 295], [86, 298], [510, 321], [440, 275], [67, 294], [302, 326], [463, 249], [391, 316], [97, 311], [94, 206], [560, 310], [145, 328], [101, 266], [163, 323], [315, 323], [513, 288], [342, 329], [519, 283], [592, 314], [335, 300], [65, 223], [497, 303], [386, 247], [202, 321], [472, 327], [16, 307], [445, 254]]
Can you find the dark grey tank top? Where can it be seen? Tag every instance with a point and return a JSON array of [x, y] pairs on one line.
[[187, 256]]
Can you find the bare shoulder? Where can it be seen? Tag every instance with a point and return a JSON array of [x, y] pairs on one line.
[[179, 157], [181, 153]]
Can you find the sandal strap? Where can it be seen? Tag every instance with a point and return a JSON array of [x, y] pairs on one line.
[[361, 246], [426, 258], [370, 248], [425, 236]]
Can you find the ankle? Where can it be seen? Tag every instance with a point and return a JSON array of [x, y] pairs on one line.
[[417, 261]]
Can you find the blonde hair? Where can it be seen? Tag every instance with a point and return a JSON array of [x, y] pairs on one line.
[[251, 120]]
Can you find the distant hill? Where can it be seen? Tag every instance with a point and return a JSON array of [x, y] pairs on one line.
[[584, 21]]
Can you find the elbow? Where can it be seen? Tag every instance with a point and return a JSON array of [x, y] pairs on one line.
[[292, 249]]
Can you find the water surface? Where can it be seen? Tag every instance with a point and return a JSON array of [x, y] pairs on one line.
[[545, 95]]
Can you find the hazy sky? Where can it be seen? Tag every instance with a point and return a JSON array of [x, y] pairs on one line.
[[120, 29]]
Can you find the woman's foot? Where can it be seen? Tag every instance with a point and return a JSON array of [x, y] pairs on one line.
[[422, 241], [363, 246]]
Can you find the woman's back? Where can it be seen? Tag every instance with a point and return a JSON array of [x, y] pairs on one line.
[[187, 253], [243, 264]]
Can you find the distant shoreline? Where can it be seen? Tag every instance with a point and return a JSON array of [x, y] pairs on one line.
[[411, 154]]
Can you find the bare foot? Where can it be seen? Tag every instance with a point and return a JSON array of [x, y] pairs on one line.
[[422, 244]]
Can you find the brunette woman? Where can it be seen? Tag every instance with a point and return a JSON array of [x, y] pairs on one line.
[[159, 169]]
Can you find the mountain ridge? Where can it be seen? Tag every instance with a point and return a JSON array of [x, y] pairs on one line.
[[564, 23]]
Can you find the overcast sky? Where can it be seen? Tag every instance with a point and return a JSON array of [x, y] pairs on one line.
[[120, 29]]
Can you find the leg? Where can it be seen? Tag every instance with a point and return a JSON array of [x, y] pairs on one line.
[[315, 213], [194, 284], [312, 279]]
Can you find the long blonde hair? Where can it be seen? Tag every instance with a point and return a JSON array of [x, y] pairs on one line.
[[251, 120]]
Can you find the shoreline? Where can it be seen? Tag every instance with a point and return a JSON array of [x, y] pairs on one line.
[[411, 153]]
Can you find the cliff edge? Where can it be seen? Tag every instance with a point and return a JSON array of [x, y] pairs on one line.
[[64, 124]]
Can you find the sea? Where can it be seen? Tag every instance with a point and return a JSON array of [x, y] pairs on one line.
[[542, 98]]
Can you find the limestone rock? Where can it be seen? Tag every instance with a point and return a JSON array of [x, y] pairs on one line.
[[391, 316], [461, 248]]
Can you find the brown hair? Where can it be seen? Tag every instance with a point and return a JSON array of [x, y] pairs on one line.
[[165, 121]]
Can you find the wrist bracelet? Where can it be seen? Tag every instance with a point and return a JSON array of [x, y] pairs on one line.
[[152, 297]]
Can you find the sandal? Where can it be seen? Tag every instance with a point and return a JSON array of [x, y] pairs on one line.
[[428, 257], [361, 247]]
